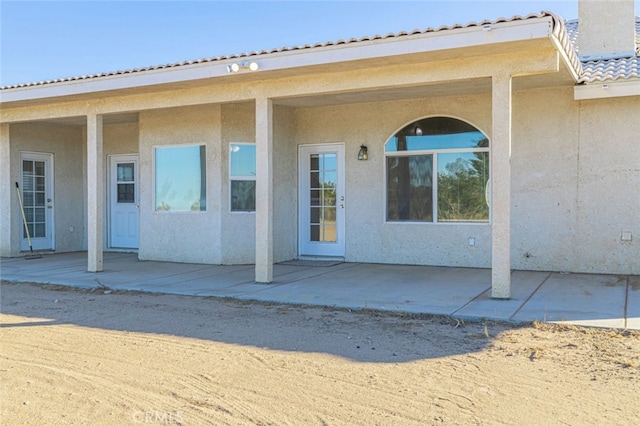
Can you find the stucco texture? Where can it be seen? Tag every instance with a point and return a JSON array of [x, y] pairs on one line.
[[369, 238], [609, 186], [563, 165], [238, 233], [574, 188], [181, 236], [65, 143]]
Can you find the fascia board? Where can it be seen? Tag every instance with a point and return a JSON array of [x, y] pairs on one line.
[[606, 89], [468, 37], [424, 43]]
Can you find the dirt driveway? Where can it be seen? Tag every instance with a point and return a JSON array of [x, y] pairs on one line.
[[82, 357]]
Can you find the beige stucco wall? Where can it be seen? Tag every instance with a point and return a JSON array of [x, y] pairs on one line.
[[544, 165], [181, 236], [368, 237], [238, 234], [609, 186], [65, 143], [238, 228], [597, 19], [117, 139], [285, 192], [120, 139], [575, 189]]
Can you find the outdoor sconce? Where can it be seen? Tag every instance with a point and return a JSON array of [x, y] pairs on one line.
[[235, 67], [363, 155]]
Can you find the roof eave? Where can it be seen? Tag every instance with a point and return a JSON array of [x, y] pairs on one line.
[[607, 89], [466, 37], [561, 40]]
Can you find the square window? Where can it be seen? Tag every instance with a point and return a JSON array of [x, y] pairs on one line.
[[181, 183], [410, 188]]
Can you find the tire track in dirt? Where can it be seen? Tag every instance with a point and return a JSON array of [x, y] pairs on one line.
[[105, 360]]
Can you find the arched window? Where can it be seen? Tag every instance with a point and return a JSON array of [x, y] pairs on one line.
[[437, 170]]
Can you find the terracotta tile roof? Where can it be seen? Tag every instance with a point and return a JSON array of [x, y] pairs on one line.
[[565, 32], [288, 49], [606, 69]]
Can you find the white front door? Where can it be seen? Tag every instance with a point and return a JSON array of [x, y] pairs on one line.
[[321, 200], [36, 190], [124, 203]]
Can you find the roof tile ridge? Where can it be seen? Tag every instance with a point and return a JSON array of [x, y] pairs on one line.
[[560, 33]]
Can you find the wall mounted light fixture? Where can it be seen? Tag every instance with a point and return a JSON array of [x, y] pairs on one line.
[[363, 155], [237, 66]]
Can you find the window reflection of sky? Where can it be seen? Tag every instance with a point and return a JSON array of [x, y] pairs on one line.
[[429, 142], [178, 177], [243, 160], [445, 159]]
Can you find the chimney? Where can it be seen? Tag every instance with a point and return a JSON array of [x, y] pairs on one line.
[[606, 28]]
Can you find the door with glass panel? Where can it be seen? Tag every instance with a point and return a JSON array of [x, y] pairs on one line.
[[36, 186], [124, 203], [321, 200]]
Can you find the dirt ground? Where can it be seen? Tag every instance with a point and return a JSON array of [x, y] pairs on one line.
[[78, 357]]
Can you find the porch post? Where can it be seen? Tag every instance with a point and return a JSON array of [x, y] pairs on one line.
[[501, 187], [264, 190], [7, 192], [95, 193]]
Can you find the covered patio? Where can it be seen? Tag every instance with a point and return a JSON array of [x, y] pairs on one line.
[[465, 293]]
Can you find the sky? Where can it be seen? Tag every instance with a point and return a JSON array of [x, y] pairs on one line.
[[45, 40]]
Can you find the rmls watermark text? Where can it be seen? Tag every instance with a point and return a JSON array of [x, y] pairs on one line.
[[158, 417]]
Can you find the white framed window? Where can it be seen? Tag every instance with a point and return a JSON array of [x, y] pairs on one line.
[[437, 170], [242, 177], [180, 178]]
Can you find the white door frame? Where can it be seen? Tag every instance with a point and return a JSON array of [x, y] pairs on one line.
[[306, 247], [113, 160], [48, 242]]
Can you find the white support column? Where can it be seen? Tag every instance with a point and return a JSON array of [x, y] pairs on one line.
[[501, 187], [264, 190], [7, 192], [95, 193]]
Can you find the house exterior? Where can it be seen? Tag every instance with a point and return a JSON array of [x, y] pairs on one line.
[[503, 144]]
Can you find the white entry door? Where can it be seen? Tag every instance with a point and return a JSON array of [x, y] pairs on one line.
[[36, 189], [124, 204], [321, 200]]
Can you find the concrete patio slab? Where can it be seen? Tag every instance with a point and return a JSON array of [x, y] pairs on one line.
[[211, 275], [583, 299], [523, 285], [633, 303], [417, 289]]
